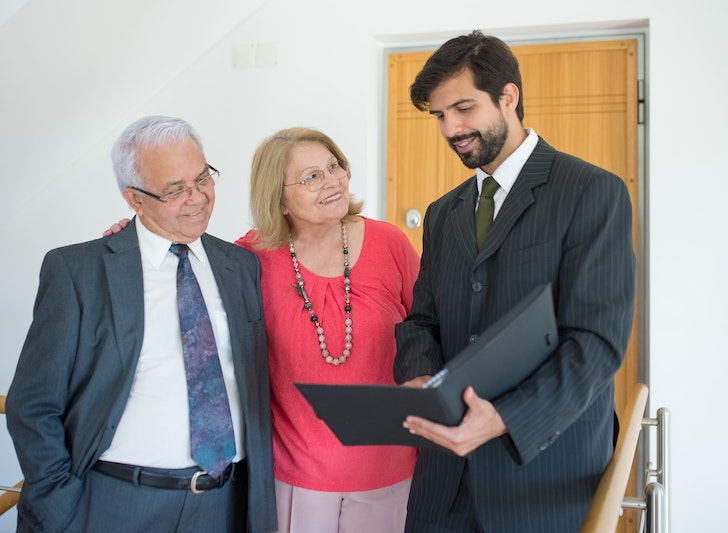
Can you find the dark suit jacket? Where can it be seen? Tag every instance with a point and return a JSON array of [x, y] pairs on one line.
[[568, 223], [76, 368]]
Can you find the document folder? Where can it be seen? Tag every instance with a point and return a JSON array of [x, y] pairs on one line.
[[500, 358]]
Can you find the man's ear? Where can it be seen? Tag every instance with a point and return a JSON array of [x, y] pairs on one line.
[[511, 96], [132, 198]]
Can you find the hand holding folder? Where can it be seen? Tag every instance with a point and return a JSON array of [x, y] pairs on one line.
[[503, 356]]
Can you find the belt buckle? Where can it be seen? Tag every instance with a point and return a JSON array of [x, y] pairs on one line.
[[193, 482]]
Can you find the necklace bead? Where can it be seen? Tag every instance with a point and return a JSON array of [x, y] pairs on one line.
[[299, 287]]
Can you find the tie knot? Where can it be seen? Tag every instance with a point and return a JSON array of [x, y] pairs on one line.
[[180, 250], [489, 187]]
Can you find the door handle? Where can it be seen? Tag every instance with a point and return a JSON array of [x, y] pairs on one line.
[[413, 218]]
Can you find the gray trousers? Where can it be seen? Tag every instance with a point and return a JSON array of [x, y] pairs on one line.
[[110, 505]]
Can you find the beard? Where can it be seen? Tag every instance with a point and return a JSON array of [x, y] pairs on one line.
[[488, 145]]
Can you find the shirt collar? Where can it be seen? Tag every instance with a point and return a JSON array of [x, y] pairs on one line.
[[509, 169], [155, 247]]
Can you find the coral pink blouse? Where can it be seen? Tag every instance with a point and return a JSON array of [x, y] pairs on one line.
[[305, 451]]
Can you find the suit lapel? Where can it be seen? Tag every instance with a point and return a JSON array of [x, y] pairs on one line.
[[229, 281], [462, 220], [126, 291], [227, 276], [534, 173], [230, 286]]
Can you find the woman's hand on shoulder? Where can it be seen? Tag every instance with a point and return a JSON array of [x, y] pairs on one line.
[[116, 228]]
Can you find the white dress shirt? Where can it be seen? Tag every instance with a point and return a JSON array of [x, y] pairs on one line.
[[508, 170], [154, 429]]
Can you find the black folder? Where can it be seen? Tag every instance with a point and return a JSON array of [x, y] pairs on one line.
[[500, 358]]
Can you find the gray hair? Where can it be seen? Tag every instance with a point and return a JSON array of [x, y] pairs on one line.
[[144, 133]]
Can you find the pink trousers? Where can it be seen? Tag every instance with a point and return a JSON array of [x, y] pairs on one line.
[[309, 511]]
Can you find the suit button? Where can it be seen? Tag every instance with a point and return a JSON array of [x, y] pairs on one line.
[[472, 338], [477, 286]]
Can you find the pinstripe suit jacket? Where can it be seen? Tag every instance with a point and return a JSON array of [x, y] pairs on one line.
[[77, 366], [566, 222]]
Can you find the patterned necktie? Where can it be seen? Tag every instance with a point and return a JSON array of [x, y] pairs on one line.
[[486, 208], [211, 425]]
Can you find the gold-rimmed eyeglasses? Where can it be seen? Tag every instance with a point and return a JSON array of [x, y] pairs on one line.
[[203, 183], [314, 181]]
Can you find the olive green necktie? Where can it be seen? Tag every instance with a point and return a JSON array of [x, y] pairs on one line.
[[486, 208]]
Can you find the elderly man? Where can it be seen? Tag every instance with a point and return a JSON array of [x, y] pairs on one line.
[[140, 400]]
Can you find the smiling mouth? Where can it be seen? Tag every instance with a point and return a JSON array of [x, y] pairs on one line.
[[329, 199], [463, 144], [194, 213]]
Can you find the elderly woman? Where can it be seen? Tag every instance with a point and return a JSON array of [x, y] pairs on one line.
[[334, 286]]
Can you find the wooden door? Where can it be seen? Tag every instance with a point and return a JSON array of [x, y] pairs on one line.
[[581, 97]]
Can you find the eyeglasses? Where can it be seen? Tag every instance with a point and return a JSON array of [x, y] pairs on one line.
[[203, 183], [315, 180]]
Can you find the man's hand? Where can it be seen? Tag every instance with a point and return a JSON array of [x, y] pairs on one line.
[[480, 424], [417, 382], [116, 228]]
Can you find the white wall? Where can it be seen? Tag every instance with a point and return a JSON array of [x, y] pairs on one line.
[[74, 73]]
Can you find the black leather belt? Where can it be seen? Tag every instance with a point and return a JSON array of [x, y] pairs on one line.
[[197, 482]]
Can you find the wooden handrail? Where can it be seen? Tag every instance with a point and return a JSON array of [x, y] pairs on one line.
[[10, 498], [604, 511]]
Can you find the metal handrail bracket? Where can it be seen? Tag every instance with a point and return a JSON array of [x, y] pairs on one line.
[[655, 504]]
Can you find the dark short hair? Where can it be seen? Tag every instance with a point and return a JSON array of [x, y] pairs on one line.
[[489, 59]]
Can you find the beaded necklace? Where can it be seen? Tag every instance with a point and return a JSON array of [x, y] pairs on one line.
[[299, 286]]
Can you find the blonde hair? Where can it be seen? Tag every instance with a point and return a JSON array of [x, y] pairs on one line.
[[268, 174]]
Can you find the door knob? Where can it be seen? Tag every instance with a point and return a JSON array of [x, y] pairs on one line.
[[413, 218]]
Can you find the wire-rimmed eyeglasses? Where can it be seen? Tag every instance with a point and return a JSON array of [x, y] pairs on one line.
[[203, 183], [315, 180]]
